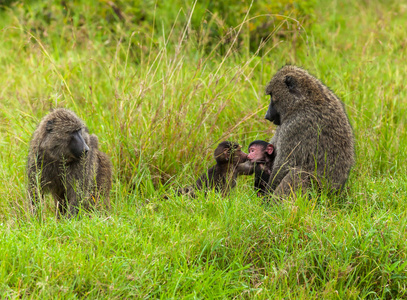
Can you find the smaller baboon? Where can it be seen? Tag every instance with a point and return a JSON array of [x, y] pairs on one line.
[[64, 160], [314, 139], [261, 154], [222, 176]]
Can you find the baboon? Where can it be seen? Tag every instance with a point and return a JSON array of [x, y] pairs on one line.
[[64, 160], [261, 154], [314, 139], [222, 176]]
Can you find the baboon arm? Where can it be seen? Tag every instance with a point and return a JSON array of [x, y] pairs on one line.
[[246, 168], [34, 193], [295, 179]]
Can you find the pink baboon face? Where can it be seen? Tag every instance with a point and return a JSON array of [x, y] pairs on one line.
[[257, 153]]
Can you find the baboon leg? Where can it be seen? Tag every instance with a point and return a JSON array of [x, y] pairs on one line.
[[35, 198], [72, 202], [73, 211], [293, 181], [106, 200], [103, 178], [105, 194], [60, 204], [95, 200]]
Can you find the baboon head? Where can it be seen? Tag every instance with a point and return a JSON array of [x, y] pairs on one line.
[[289, 90], [259, 151], [229, 153], [62, 135]]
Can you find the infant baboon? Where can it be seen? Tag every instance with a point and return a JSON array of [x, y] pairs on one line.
[[314, 139], [261, 154], [222, 176], [64, 160]]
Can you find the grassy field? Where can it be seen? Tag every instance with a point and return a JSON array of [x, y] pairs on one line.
[[160, 100]]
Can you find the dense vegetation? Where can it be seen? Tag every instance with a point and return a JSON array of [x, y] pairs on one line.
[[161, 83]]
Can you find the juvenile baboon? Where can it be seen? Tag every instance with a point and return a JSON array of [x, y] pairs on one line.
[[64, 160], [314, 139], [222, 176], [261, 155]]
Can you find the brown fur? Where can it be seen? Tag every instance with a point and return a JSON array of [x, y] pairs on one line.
[[314, 140], [222, 176], [52, 167]]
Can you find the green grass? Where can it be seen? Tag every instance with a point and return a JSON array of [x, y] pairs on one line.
[[160, 101]]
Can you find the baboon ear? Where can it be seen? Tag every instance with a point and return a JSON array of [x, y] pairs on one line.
[[50, 125], [269, 149], [290, 82]]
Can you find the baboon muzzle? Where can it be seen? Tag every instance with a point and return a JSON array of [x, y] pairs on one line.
[[78, 146]]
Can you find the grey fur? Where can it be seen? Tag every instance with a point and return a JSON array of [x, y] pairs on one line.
[[314, 140], [52, 167]]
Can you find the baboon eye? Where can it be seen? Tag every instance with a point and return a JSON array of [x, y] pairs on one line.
[[49, 125], [290, 82]]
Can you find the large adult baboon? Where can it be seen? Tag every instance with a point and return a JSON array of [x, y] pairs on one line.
[[314, 138], [64, 160]]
